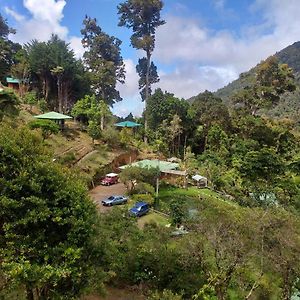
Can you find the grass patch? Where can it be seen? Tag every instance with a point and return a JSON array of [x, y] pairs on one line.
[[191, 198], [153, 217]]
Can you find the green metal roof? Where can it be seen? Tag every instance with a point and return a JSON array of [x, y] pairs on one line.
[[12, 80], [128, 124], [52, 115], [146, 163]]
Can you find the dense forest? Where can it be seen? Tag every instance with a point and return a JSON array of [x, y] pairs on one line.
[[240, 236]]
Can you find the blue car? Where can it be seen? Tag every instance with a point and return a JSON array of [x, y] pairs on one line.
[[140, 209], [114, 200]]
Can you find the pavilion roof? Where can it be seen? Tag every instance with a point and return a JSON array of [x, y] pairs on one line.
[[147, 163], [129, 124], [52, 115], [12, 80]]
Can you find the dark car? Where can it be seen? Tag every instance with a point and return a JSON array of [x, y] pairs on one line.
[[114, 200], [140, 209]]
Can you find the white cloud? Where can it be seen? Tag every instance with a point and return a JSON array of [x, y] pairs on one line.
[[188, 80], [208, 53], [130, 88], [45, 19], [75, 44], [18, 17], [129, 91]]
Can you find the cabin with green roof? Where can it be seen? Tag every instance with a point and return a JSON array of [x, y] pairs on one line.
[[13, 83]]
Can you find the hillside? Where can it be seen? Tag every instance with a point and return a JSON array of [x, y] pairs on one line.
[[74, 148], [289, 104]]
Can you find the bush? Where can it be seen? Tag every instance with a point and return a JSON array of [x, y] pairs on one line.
[[68, 158], [30, 98], [48, 127], [143, 198], [144, 188], [43, 105], [165, 295], [111, 137]]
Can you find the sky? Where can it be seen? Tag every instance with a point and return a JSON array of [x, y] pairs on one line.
[[204, 45]]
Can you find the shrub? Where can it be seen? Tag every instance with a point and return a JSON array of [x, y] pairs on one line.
[[144, 198], [48, 127], [111, 137], [144, 188]]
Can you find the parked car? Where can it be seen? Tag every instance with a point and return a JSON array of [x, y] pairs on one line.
[[114, 200], [139, 209], [110, 178]]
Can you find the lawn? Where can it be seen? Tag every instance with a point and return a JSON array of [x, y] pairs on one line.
[[191, 197], [153, 217]]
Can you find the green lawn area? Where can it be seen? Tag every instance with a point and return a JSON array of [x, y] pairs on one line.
[[153, 217], [191, 197]]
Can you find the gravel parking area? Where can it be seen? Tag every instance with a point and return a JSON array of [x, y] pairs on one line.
[[102, 192]]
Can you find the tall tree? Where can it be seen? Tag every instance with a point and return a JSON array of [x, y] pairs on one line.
[[48, 248], [21, 71], [7, 48], [103, 60], [141, 69], [56, 73], [143, 16], [40, 65]]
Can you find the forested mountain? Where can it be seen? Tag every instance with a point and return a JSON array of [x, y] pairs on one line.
[[289, 104]]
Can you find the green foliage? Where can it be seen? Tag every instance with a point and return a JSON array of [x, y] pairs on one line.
[[8, 103], [126, 136], [68, 158], [144, 188], [52, 63], [8, 49], [30, 98], [43, 105], [217, 140], [94, 130], [81, 107], [144, 198], [47, 221], [111, 137], [103, 59], [178, 212], [47, 127], [262, 165], [164, 295], [163, 106], [141, 69], [143, 17], [130, 175]]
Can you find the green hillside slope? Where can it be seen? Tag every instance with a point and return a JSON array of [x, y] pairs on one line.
[[289, 106]]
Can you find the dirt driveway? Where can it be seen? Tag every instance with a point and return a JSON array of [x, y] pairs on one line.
[[101, 192]]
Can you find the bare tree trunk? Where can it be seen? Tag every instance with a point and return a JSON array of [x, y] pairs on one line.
[[102, 122], [286, 292], [29, 293], [147, 93], [47, 88], [59, 94]]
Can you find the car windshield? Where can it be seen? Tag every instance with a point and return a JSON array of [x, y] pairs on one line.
[[111, 198]]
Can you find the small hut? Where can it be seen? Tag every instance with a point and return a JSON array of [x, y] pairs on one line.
[[55, 116], [13, 83], [201, 180]]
